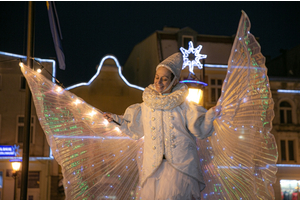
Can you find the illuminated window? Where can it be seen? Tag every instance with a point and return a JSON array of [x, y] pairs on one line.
[[23, 83], [287, 149], [289, 189], [215, 89], [285, 113], [20, 129], [185, 41]]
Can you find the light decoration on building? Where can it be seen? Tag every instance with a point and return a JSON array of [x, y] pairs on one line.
[[196, 61], [8, 157], [289, 91], [98, 72], [38, 59]]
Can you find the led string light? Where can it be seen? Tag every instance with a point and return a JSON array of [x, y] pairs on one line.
[[38, 59], [98, 72], [288, 91], [43, 68]]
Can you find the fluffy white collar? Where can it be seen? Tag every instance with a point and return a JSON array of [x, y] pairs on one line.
[[166, 102]]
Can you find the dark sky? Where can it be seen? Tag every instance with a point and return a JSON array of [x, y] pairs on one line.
[[93, 29]]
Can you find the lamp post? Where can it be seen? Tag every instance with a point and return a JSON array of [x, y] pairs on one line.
[[16, 165]]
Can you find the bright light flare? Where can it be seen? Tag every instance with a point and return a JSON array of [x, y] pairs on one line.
[[21, 64], [195, 95], [58, 89], [16, 166], [118, 129], [39, 71], [92, 113], [77, 101], [105, 122]]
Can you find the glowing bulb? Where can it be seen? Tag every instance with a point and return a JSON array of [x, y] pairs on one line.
[[77, 101], [105, 122], [39, 70], [92, 113], [16, 166], [117, 129], [21, 64], [58, 89], [195, 95]]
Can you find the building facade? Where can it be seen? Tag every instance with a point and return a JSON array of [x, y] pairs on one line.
[[43, 169], [284, 72]]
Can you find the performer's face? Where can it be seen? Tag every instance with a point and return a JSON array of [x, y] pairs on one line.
[[162, 80]]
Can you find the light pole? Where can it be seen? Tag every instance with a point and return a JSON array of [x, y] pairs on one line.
[[16, 165]]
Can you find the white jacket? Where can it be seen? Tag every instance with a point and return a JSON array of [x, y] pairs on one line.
[[170, 125]]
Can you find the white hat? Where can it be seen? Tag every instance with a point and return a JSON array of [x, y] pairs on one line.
[[173, 63]]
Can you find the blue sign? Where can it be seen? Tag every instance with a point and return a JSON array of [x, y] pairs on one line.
[[8, 150]]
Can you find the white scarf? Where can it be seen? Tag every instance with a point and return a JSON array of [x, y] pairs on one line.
[[165, 102]]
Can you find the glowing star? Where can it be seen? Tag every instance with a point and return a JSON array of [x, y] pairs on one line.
[[196, 54]]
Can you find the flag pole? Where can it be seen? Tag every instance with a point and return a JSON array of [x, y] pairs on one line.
[[27, 118]]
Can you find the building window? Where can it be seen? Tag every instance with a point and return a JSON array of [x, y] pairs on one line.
[[285, 113], [289, 189], [287, 149], [215, 89], [185, 41], [33, 179], [23, 83], [20, 129]]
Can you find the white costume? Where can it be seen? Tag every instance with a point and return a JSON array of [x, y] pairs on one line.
[[170, 125]]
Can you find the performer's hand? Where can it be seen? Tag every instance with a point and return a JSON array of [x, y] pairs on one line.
[[108, 117]]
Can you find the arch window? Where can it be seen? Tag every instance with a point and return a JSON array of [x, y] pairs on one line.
[[285, 112]]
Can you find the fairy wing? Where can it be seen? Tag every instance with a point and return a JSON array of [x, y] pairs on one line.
[[239, 159], [98, 161]]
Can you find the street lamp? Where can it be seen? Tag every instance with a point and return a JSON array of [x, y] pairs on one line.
[[16, 165]]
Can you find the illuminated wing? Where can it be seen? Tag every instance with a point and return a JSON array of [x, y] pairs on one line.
[[97, 160], [239, 159]]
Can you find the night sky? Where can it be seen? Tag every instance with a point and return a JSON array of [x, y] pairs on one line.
[[93, 29]]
